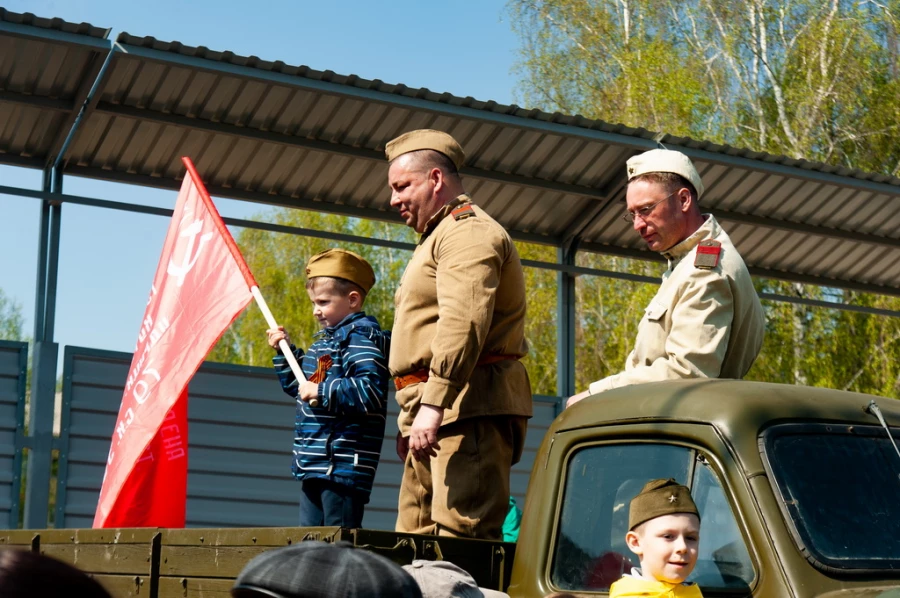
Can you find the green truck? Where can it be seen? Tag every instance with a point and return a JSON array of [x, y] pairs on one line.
[[798, 488]]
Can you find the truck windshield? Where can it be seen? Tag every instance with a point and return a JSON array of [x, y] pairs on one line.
[[840, 490], [590, 551]]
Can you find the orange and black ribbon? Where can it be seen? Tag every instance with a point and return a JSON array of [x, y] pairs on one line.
[[322, 366]]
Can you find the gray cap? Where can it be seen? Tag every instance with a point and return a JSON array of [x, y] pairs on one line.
[[443, 579], [323, 570]]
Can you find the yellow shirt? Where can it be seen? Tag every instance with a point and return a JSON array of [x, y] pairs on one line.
[[462, 297], [702, 323], [638, 587]]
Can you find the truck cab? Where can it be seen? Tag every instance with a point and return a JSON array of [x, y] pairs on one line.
[[798, 489]]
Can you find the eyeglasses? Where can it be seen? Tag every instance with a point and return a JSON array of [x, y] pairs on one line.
[[645, 211]]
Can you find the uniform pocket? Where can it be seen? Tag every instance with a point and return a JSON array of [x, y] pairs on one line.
[[655, 311]]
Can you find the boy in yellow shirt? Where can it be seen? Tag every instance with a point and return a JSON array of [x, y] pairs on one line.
[[664, 533]]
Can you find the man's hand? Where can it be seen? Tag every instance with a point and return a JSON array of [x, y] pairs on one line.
[[575, 398], [423, 433], [308, 391], [402, 446]]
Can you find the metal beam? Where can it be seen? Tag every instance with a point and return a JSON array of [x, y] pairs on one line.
[[46, 103], [820, 281], [385, 215], [337, 149], [55, 35], [43, 381], [85, 101], [566, 317], [604, 196], [20, 161], [806, 229], [513, 116]]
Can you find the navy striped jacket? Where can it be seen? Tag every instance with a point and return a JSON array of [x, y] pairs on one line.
[[341, 439]]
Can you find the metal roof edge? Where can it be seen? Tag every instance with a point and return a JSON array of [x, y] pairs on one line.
[[512, 115], [54, 29]]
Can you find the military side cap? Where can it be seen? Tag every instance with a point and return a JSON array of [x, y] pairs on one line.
[[658, 498], [423, 139], [662, 160], [323, 570], [340, 263]]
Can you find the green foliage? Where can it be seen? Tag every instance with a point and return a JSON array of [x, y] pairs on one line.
[[810, 79], [278, 262], [11, 320]]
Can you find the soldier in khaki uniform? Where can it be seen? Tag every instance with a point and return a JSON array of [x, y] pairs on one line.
[[706, 320], [458, 337]]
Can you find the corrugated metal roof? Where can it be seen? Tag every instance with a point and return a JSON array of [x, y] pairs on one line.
[[287, 135], [46, 69]]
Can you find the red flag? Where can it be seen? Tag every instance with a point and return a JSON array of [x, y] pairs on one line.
[[201, 285]]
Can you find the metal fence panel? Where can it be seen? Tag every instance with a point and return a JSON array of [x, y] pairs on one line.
[[240, 437], [13, 379]]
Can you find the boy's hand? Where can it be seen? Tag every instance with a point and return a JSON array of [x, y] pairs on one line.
[[275, 335], [309, 391]]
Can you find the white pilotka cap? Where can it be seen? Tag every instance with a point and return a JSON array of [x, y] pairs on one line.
[[663, 160]]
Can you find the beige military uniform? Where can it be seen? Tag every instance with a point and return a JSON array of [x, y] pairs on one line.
[[702, 323], [460, 317]]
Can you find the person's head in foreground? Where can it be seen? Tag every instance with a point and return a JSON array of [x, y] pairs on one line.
[[664, 531], [27, 574], [443, 579], [323, 570]]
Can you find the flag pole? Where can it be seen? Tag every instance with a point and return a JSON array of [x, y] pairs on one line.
[[282, 344]]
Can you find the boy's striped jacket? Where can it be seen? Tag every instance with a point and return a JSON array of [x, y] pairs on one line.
[[341, 439]]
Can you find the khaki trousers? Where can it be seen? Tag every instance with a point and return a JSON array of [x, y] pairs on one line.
[[464, 490]]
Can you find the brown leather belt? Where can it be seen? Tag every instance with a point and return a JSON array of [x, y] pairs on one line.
[[418, 376]]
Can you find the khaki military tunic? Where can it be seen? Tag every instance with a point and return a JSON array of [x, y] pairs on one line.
[[462, 297], [460, 315], [702, 323]]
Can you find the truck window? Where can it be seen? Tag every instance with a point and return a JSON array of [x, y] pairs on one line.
[[840, 490], [590, 551]]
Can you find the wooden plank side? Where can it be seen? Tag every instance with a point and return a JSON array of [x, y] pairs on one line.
[[192, 587], [206, 561], [125, 586], [130, 559]]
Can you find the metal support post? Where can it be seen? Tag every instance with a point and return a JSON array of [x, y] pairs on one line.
[[45, 356], [565, 306]]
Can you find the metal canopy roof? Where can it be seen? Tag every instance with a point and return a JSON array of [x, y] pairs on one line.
[[292, 136]]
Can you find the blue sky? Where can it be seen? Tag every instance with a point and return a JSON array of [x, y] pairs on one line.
[[108, 258]]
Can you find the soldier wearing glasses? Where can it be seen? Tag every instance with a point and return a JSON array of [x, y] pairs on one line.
[[706, 320]]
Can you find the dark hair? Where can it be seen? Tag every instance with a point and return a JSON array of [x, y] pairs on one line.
[[671, 181], [27, 574], [427, 159], [341, 285]]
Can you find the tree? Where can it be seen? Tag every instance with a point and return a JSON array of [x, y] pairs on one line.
[[11, 320], [794, 77], [278, 261], [785, 76]]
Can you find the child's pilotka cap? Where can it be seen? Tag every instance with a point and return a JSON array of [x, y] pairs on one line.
[[658, 498], [340, 263]]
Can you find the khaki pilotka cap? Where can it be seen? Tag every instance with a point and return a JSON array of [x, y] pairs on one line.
[[340, 263], [423, 139], [663, 160], [658, 498]]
